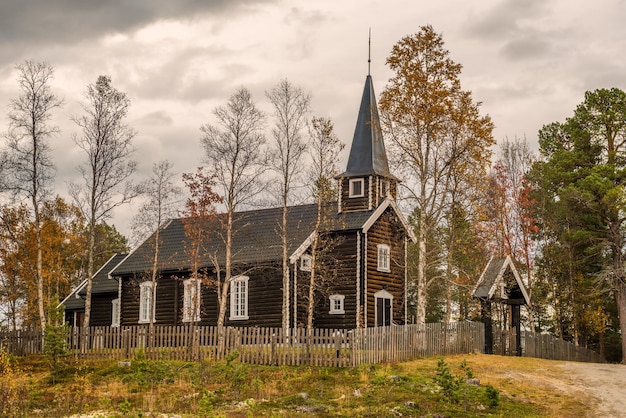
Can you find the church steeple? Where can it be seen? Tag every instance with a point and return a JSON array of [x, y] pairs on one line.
[[367, 180], [367, 153]]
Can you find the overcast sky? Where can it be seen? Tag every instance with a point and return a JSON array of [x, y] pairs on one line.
[[528, 61]]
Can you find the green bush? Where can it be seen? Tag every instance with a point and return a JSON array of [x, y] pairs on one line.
[[56, 335], [448, 383], [493, 396]]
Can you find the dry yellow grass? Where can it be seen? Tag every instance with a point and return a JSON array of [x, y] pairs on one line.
[[530, 380]]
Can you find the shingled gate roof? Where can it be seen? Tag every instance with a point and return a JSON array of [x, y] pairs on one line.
[[493, 277], [257, 238]]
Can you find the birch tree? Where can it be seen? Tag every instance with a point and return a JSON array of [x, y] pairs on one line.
[[234, 154], [324, 150], [160, 205], [199, 223], [106, 141], [420, 112], [291, 106], [29, 170]]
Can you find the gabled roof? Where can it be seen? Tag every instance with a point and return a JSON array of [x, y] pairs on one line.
[[100, 284], [367, 153], [257, 238], [493, 278]]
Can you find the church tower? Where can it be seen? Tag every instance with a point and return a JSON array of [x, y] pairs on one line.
[[367, 182]]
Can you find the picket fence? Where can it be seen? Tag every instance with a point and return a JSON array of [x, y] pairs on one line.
[[542, 346], [270, 346]]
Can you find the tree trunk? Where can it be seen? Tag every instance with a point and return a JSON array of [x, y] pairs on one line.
[[286, 284], [40, 302], [223, 295], [90, 268], [420, 315], [155, 270], [621, 308]]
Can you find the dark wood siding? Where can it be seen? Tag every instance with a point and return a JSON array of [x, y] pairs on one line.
[[341, 269], [101, 309], [129, 311], [386, 230], [264, 299]]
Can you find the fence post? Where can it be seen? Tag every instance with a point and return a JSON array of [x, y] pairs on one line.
[[273, 359]]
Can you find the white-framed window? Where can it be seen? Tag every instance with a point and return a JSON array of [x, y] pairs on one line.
[[239, 298], [305, 262], [384, 258], [146, 302], [191, 300], [357, 188], [336, 304], [384, 188], [115, 312]]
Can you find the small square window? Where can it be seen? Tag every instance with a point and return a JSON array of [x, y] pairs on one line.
[[305, 262], [336, 305], [357, 188], [383, 258]]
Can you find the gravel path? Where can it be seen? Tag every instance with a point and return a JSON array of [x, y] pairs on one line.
[[605, 382]]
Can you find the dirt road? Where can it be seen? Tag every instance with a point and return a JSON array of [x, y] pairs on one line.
[[604, 382]]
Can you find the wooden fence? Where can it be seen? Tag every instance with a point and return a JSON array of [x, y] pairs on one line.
[[542, 346], [271, 346], [323, 347]]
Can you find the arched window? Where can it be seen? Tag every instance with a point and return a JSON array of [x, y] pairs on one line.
[[146, 302], [115, 312], [191, 300], [239, 298], [384, 263]]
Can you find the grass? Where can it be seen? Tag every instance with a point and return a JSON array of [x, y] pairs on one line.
[[432, 387]]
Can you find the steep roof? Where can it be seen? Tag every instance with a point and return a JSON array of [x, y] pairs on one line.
[[367, 153], [100, 284], [497, 275], [257, 238]]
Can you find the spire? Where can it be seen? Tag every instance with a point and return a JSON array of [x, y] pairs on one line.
[[367, 153], [369, 52]]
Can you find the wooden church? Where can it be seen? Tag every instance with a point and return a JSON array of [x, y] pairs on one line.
[[365, 262]]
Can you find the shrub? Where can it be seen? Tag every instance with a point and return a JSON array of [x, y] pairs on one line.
[[493, 396], [448, 383]]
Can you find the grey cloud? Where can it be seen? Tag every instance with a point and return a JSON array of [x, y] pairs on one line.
[[158, 118], [504, 19], [514, 25], [69, 20], [525, 47], [175, 80]]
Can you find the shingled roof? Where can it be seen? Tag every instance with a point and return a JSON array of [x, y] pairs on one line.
[[495, 276], [257, 238], [100, 284], [367, 153]]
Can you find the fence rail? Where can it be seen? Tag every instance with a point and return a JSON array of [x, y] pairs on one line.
[[542, 346], [322, 347], [272, 346]]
